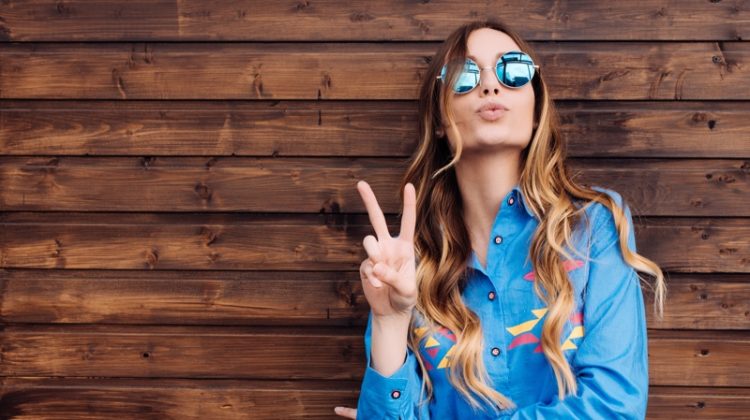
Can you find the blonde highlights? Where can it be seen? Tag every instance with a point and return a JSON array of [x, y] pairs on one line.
[[442, 241]]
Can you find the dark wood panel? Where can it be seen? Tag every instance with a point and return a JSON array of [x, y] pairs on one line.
[[71, 398], [574, 70], [654, 187], [679, 358], [353, 128], [387, 20], [231, 399], [671, 403], [299, 242], [712, 301], [179, 297], [210, 128], [685, 357], [192, 241]]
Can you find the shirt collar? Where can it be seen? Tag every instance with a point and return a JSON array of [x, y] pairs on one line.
[[520, 197], [516, 192]]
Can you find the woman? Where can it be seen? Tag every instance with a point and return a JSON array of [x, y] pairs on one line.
[[511, 291]]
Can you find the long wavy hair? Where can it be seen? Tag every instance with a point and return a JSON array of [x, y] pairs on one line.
[[442, 243]]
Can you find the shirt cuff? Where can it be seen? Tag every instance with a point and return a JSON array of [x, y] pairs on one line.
[[389, 393]]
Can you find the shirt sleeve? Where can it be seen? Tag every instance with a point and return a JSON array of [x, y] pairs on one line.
[[394, 396], [611, 363]]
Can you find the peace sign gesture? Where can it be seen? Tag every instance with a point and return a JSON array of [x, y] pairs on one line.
[[389, 273]]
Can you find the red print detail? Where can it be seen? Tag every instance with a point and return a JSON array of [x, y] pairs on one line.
[[427, 365], [445, 332], [577, 318], [433, 351], [538, 348], [569, 265], [523, 339]]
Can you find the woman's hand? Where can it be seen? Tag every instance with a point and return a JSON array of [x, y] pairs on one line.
[[389, 274], [350, 413]]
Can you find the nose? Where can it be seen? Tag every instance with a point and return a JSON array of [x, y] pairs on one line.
[[489, 82]]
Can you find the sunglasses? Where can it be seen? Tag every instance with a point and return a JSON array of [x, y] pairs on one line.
[[514, 70]]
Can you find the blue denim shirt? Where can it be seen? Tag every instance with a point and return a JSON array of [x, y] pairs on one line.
[[604, 340]]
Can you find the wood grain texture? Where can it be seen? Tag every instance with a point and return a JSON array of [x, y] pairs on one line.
[[658, 187], [696, 301], [696, 358], [302, 242], [385, 20], [676, 129], [74, 398], [179, 218], [383, 71]]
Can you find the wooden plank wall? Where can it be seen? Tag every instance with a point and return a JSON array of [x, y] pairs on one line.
[[181, 232]]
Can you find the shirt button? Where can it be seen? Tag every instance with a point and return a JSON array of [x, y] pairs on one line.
[[495, 351], [491, 295], [498, 239], [511, 201], [395, 394]]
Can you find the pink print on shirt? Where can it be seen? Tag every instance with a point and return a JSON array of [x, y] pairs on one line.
[[443, 339], [522, 332], [569, 265]]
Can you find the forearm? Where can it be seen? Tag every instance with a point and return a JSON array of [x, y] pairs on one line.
[[389, 338]]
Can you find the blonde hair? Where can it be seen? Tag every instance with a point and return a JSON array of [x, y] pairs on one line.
[[442, 241]]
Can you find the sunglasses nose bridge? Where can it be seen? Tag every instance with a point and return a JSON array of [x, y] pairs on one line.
[[493, 77]]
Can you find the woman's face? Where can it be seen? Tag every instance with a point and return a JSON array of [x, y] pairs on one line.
[[486, 131]]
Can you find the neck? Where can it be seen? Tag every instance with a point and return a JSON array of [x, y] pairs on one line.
[[484, 180]]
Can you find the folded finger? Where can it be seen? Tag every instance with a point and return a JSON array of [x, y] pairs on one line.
[[372, 248], [369, 275], [386, 274]]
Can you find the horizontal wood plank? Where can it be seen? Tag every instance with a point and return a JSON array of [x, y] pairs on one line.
[[676, 358], [710, 301], [653, 187], [574, 70], [385, 20], [89, 398], [179, 297], [73, 398], [298, 242], [673, 129]]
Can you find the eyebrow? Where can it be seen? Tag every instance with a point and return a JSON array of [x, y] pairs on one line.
[[498, 55]]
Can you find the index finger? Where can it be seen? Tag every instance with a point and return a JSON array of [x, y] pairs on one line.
[[373, 210], [409, 216]]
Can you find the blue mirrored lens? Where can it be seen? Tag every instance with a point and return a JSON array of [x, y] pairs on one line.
[[468, 78], [515, 69]]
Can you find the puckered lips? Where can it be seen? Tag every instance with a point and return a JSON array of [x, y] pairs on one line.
[[492, 110]]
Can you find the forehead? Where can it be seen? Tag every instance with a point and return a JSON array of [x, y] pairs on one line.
[[488, 44]]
